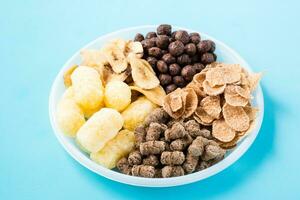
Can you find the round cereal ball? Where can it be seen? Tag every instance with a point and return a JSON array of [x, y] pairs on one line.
[[117, 95]]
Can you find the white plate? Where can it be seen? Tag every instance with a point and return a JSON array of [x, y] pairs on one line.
[[224, 53]]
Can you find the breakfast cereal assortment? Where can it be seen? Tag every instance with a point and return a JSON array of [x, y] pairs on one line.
[[159, 106]]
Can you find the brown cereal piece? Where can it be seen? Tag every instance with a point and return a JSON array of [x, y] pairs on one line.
[[140, 135], [172, 158], [158, 173], [205, 118], [212, 152], [143, 171], [199, 90], [181, 144], [190, 163], [203, 165], [231, 144], [199, 78], [191, 102], [251, 112], [151, 160], [233, 98], [254, 79], [157, 115], [124, 166], [236, 117], [221, 131], [154, 131], [211, 105], [135, 158], [172, 171], [195, 117], [172, 102], [213, 91], [222, 75], [175, 132], [197, 146], [243, 91], [176, 102], [194, 130], [67, 76], [152, 147]]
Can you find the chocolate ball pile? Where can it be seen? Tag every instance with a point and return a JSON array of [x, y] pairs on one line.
[[176, 56]]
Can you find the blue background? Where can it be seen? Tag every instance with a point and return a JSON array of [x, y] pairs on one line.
[[36, 39]]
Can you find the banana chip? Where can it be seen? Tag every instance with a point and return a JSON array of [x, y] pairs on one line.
[[212, 106], [143, 74], [236, 117], [92, 58], [156, 95], [222, 132]]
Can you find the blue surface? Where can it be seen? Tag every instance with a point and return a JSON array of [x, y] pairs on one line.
[[37, 37]]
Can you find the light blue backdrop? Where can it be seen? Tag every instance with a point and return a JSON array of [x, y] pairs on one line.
[[37, 37]]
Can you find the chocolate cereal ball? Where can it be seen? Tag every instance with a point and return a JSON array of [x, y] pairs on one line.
[[162, 41], [198, 67], [179, 81], [188, 72], [150, 35], [168, 58], [182, 36], [206, 46], [174, 69], [170, 88], [138, 37], [176, 48], [164, 29], [152, 61], [190, 49], [155, 52], [162, 66], [208, 58], [165, 79], [183, 60], [148, 43], [195, 38]]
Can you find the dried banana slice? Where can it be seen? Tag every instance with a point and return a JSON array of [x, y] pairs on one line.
[[156, 95], [142, 73]]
